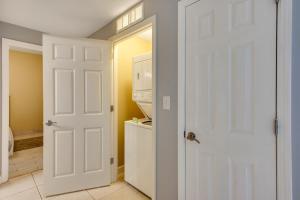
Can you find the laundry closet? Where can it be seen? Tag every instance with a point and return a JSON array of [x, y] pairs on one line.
[[134, 110], [138, 132]]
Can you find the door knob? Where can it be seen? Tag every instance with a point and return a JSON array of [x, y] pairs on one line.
[[192, 137], [50, 123]]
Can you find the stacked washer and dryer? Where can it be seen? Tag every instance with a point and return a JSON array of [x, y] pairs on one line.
[[139, 152]]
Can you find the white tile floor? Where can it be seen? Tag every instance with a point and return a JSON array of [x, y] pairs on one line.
[[25, 161], [30, 187]]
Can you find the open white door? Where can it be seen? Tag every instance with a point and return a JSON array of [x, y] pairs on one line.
[[76, 114]]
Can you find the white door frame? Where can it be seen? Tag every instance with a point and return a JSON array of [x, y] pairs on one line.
[[284, 163], [147, 23], [8, 44]]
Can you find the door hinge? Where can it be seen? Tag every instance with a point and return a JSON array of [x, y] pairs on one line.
[[112, 108], [276, 126], [112, 160], [184, 134]]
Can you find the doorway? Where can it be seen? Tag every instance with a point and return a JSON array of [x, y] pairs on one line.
[[134, 113], [12, 49], [25, 113]]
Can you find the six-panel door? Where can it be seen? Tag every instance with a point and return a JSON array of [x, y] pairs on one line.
[[230, 99], [76, 99]]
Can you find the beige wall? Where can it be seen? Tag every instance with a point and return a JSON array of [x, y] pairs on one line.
[[26, 92], [127, 109]]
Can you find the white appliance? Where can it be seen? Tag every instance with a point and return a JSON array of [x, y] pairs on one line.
[[138, 133], [139, 156], [142, 83]]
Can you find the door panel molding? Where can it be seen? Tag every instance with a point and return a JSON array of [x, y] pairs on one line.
[[76, 75], [284, 163]]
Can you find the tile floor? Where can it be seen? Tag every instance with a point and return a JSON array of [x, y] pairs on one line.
[[25, 161], [30, 187]]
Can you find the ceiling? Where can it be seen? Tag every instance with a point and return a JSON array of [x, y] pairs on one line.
[[146, 35], [73, 18]]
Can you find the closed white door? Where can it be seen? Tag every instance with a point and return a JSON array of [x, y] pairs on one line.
[[76, 103], [230, 99]]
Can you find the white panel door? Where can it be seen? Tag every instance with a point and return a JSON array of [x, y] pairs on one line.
[[76, 101], [230, 99]]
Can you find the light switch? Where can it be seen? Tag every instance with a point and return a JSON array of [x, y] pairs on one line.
[[166, 103]]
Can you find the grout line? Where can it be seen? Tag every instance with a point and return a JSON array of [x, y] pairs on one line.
[[23, 190], [106, 195], [13, 194], [36, 186], [33, 179], [90, 195]]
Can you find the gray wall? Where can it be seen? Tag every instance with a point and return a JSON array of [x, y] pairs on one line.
[[10, 31], [166, 12], [296, 100]]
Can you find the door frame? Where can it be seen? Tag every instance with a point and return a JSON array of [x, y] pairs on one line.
[[284, 156], [8, 44], [147, 23]]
